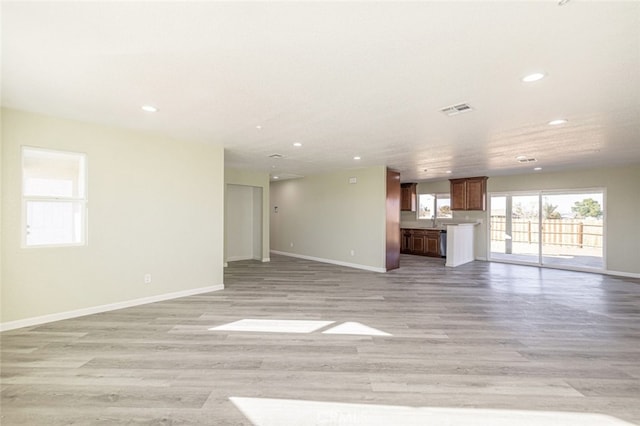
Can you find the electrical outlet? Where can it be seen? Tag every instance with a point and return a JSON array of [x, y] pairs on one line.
[[291, 244], [353, 252], [147, 278]]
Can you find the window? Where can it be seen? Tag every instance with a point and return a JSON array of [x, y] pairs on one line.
[[436, 206], [54, 197]]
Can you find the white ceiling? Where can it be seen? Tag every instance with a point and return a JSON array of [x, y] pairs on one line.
[[342, 78]]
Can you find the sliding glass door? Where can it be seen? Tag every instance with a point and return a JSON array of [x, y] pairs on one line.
[[561, 229], [573, 229], [515, 228]]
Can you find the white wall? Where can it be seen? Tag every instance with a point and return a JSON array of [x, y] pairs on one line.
[[325, 217], [260, 182], [622, 243], [243, 223], [155, 206]]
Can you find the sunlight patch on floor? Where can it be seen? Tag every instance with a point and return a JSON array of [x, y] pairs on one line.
[[299, 326], [273, 326], [355, 328], [283, 412]]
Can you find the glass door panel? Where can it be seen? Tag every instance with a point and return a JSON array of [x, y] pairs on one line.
[[498, 237], [515, 228], [572, 229]]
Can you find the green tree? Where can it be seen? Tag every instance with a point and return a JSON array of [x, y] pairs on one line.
[[549, 211], [518, 211], [587, 208], [524, 212], [444, 211]]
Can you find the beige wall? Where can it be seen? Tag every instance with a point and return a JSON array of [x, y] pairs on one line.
[[326, 217], [155, 205], [622, 222], [256, 180]]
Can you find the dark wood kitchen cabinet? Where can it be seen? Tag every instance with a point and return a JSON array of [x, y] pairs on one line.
[[423, 242], [432, 240], [469, 193], [408, 197]]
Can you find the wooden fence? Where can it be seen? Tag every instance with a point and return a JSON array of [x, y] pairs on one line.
[[560, 232]]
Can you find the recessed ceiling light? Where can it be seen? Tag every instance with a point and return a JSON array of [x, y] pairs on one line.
[[258, 127], [149, 108], [298, 144], [356, 158], [533, 77], [448, 172], [276, 177], [557, 122], [537, 169]]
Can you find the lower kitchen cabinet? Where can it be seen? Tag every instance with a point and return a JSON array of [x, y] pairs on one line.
[[423, 242]]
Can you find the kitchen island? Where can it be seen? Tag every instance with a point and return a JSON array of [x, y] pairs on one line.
[[460, 244]]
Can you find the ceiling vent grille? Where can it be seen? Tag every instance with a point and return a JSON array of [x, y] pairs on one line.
[[456, 109], [276, 156], [523, 159]]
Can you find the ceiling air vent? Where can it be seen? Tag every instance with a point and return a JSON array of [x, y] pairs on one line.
[[456, 109], [525, 159], [276, 156]]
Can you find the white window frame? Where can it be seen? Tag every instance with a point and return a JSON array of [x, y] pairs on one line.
[[435, 206], [83, 201]]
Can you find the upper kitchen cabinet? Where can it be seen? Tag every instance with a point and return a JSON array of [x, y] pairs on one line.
[[408, 195], [469, 193]]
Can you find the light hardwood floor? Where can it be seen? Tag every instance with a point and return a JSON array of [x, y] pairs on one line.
[[480, 336]]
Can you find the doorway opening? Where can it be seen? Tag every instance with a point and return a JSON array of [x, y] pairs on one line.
[[243, 223]]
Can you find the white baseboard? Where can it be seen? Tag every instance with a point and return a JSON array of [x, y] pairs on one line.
[[331, 261], [564, 268], [236, 258], [622, 274], [28, 322], [266, 259]]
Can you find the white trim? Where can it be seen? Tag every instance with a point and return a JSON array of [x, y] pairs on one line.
[[27, 322], [564, 268], [482, 258], [622, 274], [236, 258], [331, 261], [266, 259], [225, 264]]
